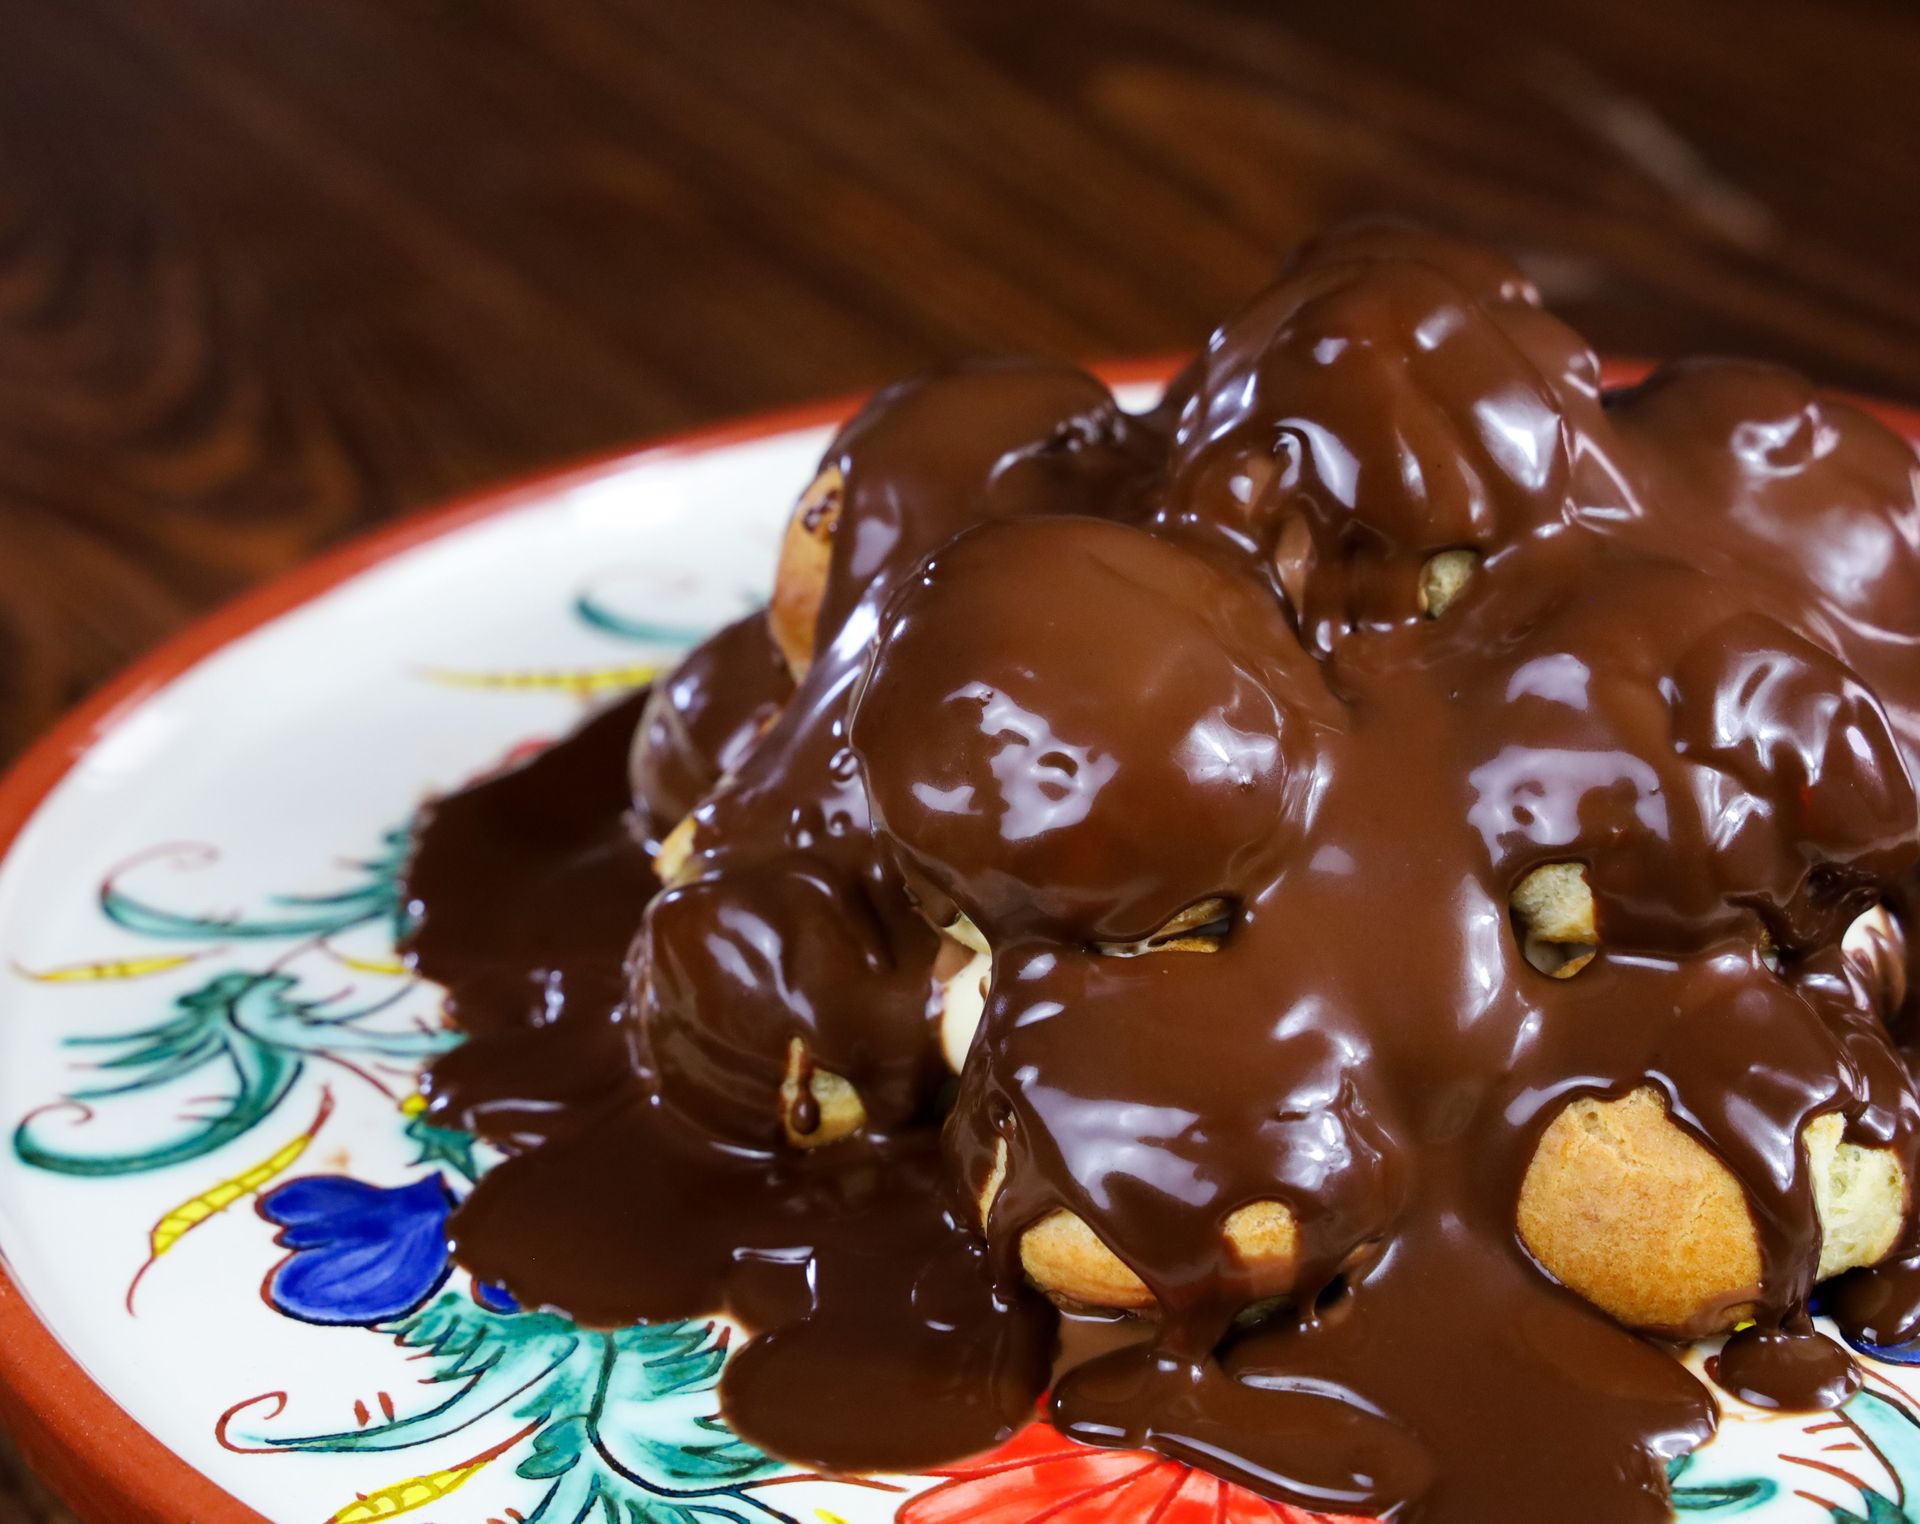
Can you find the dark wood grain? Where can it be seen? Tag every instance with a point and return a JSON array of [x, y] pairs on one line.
[[24, 1498], [270, 273]]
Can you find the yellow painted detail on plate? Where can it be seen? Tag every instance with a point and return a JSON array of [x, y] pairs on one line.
[[113, 968], [183, 1219], [586, 680], [828, 1516], [392, 967], [413, 1105], [404, 1497]]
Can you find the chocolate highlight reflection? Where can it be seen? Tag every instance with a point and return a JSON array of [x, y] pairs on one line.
[[1409, 853]]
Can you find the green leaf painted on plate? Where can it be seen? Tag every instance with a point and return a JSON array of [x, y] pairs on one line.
[[444, 1146], [590, 610], [250, 1037], [375, 896], [624, 1421], [1722, 1500], [1880, 1510]]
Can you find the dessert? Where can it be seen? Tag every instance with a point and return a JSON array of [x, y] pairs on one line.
[[1390, 870]]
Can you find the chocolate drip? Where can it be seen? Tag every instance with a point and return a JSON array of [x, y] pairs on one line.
[[1081, 677], [1880, 1306], [1786, 1367]]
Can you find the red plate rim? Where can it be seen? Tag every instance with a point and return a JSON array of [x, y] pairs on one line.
[[96, 1455]]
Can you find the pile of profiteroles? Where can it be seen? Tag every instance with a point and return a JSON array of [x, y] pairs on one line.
[[1314, 926]]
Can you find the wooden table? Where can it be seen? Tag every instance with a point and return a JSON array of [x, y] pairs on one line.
[[272, 272]]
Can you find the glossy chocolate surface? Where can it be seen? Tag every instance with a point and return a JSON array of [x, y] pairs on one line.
[[701, 721], [1076, 672]]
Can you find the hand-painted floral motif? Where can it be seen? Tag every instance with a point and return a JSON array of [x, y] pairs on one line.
[[620, 1425], [362, 1254], [374, 897], [1040, 1474], [244, 1031]]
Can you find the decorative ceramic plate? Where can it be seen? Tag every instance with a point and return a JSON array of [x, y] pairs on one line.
[[221, 1211]]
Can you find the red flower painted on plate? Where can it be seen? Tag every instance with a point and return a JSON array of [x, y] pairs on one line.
[[1042, 1477]]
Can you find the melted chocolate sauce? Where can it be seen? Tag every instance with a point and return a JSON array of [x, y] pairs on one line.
[[700, 723], [1881, 1305], [528, 888], [1786, 1367], [1077, 672]]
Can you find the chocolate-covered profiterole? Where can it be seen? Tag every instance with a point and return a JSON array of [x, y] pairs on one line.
[[701, 721], [1409, 852]]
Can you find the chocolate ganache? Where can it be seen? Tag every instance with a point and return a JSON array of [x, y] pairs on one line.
[[1391, 868]]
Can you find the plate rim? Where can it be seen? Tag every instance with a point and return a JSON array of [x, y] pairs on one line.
[[95, 1454]]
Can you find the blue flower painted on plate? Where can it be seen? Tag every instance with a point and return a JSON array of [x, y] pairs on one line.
[[362, 1254], [495, 1298]]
